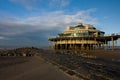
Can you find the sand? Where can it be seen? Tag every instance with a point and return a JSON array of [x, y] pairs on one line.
[[35, 68], [56, 66], [105, 54], [86, 67]]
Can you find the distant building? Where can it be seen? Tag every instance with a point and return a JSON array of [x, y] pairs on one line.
[[80, 37], [81, 31]]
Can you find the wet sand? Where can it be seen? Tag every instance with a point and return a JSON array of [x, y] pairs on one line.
[[47, 65], [32, 68], [105, 54], [86, 66]]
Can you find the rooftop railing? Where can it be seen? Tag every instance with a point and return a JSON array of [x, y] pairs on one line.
[[112, 34]]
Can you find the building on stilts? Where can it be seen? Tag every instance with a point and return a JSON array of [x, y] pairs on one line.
[[82, 37]]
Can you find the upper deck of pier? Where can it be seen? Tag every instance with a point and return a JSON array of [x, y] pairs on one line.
[[100, 38]]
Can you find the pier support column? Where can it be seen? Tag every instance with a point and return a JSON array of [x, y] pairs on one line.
[[56, 46], [87, 47], [82, 45], [95, 43], [106, 46], [60, 45], [70, 44], [66, 44], [90, 47], [75, 45], [112, 43], [98, 45]]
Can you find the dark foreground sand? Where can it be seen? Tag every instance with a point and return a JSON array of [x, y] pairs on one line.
[[32, 68], [99, 65], [78, 65], [106, 54]]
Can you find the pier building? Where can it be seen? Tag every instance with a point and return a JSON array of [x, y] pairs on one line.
[[82, 37]]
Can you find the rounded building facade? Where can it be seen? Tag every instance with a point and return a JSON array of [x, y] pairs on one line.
[[80, 37]]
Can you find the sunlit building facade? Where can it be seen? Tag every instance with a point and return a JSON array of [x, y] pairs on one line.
[[81, 31], [80, 37]]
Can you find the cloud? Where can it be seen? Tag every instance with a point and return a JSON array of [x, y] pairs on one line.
[[33, 4], [36, 29], [61, 3], [29, 4], [14, 28], [60, 19], [50, 20], [1, 37]]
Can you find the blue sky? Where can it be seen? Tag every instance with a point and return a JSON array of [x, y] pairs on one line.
[[32, 22]]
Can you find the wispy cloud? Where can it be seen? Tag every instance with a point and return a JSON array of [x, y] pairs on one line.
[[60, 3], [59, 19], [51, 20], [29, 4], [32, 4]]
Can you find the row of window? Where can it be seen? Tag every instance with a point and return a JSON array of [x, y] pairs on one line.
[[85, 34]]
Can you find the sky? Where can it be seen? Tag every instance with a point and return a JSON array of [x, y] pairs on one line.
[[32, 22]]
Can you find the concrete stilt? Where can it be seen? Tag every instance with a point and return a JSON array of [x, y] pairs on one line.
[[112, 43]]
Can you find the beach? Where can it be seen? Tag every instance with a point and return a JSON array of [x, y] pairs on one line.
[[48, 65], [33, 68]]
